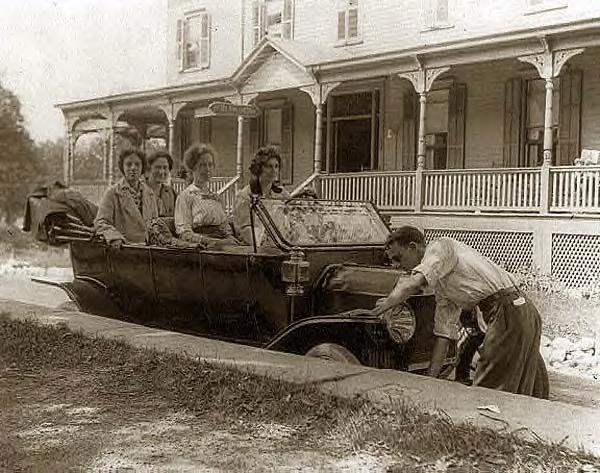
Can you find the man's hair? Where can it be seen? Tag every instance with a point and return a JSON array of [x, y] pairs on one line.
[[129, 152], [160, 154], [403, 236]]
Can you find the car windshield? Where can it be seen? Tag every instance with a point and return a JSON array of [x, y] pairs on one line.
[[307, 222]]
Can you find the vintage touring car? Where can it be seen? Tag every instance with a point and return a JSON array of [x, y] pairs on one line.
[[306, 285]]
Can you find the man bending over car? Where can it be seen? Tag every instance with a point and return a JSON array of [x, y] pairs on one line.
[[461, 278]]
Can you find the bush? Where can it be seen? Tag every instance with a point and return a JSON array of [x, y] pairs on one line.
[[531, 280]]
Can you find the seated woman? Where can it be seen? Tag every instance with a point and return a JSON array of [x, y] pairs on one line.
[[127, 206], [263, 184], [160, 164], [199, 214]]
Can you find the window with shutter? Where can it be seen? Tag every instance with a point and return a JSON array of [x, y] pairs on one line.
[[194, 45], [273, 18], [348, 23], [569, 118]]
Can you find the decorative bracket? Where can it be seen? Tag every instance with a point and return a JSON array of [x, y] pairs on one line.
[[549, 64], [318, 93], [423, 79], [172, 109]]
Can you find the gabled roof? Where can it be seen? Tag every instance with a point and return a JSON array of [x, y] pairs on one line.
[[302, 55]]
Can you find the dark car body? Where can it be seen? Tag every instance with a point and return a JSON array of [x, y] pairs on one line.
[[315, 270]]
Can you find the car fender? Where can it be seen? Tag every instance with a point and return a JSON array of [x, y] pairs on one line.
[[89, 295], [351, 329]]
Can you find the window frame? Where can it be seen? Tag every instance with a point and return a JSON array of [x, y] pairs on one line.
[[204, 15], [259, 16], [430, 20], [345, 10]]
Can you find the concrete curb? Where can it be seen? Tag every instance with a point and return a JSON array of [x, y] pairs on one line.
[[574, 426]]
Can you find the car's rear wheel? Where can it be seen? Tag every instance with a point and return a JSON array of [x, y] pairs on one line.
[[333, 352]]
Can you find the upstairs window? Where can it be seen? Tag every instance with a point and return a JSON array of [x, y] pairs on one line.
[[348, 23], [273, 18], [437, 14], [193, 41]]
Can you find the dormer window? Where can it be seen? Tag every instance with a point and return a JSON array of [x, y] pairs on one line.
[[193, 41], [273, 18], [348, 23]]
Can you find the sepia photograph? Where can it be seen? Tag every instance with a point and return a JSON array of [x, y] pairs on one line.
[[247, 236]]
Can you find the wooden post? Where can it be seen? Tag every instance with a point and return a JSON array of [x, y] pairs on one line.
[[318, 164], [548, 64], [172, 137], [548, 147], [66, 154], [72, 144], [239, 155], [111, 155], [420, 153]]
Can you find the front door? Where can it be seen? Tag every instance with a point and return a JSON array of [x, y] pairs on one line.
[[353, 145]]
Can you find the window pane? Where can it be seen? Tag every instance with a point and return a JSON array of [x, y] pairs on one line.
[[352, 23], [341, 25], [193, 32], [437, 111], [352, 104]]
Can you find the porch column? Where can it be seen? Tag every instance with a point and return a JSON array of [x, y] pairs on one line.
[[171, 136], [72, 143], [422, 80], [319, 94], [67, 153], [548, 65], [239, 149], [104, 154], [111, 154], [548, 141], [318, 164]]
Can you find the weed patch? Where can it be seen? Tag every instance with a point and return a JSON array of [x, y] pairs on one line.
[[122, 375]]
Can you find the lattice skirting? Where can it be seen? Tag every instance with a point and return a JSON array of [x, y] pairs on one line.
[[512, 250], [576, 259]]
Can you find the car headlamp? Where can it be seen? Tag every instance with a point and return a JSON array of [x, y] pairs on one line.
[[401, 323]]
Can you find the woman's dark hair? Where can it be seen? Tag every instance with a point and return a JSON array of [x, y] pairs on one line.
[[404, 236], [160, 154], [194, 152], [260, 159], [132, 151]]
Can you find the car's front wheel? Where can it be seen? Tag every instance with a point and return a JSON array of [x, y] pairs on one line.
[[333, 352]]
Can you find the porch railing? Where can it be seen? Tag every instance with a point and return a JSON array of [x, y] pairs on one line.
[[388, 190], [228, 193], [554, 189], [482, 189], [575, 189], [221, 185], [215, 184]]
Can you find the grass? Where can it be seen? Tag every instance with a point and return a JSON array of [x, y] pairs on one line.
[[121, 375]]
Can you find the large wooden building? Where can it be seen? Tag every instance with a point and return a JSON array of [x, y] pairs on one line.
[[462, 117]]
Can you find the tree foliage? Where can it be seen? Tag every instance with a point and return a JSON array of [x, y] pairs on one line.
[[19, 166]]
